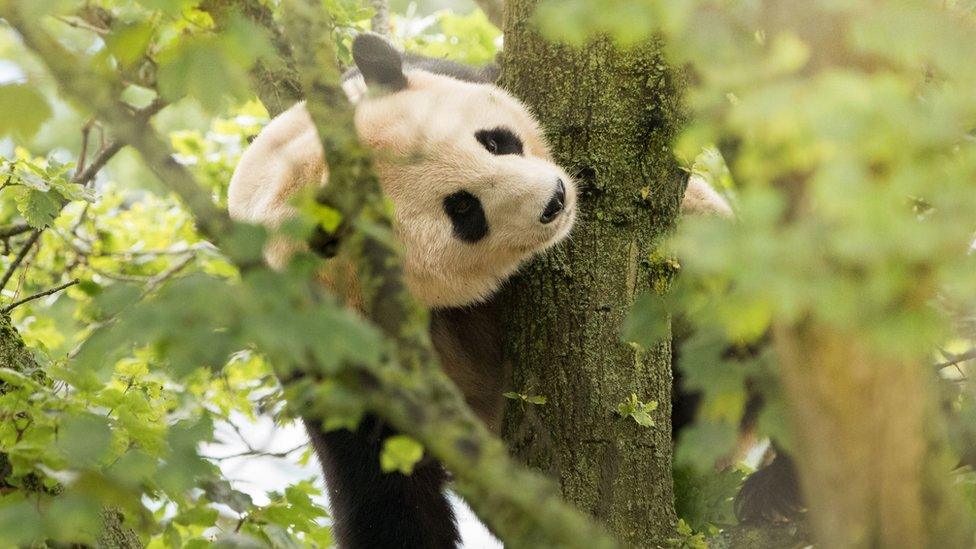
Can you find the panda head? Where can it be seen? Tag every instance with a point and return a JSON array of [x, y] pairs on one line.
[[474, 187]]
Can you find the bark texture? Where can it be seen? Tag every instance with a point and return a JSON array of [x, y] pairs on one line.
[[610, 116]]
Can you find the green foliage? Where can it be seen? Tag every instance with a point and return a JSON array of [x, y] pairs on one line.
[[687, 538], [647, 323], [468, 38], [850, 156], [39, 187], [155, 347], [212, 67], [639, 411], [22, 110], [845, 133], [400, 453], [704, 499]]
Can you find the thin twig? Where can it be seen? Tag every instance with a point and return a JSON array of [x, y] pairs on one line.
[[83, 177], [956, 359], [198, 247], [81, 24], [380, 23], [85, 134], [251, 452], [150, 286], [56, 289], [163, 276], [20, 257]]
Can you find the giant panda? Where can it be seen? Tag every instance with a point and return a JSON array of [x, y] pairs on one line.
[[476, 193]]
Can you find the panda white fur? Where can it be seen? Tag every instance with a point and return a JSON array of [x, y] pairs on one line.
[[474, 187], [476, 194]]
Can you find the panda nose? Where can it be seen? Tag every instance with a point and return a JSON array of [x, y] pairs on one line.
[[555, 204]]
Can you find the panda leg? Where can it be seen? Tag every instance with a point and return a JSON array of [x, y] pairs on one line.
[[376, 510]]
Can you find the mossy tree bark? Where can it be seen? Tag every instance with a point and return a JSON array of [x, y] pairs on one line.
[[610, 115]]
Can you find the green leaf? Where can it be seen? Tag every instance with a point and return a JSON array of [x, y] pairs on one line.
[[84, 440], [220, 491], [193, 66], [20, 521], [38, 208], [23, 109], [71, 191], [279, 537], [201, 515], [74, 517], [533, 399], [647, 323], [128, 42], [169, 7], [400, 453], [637, 410], [703, 444]]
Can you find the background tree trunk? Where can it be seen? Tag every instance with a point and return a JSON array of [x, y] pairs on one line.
[[610, 116]]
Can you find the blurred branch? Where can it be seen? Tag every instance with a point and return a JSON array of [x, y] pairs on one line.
[[955, 360], [79, 23], [13, 229], [20, 258], [277, 84], [494, 10], [380, 23]]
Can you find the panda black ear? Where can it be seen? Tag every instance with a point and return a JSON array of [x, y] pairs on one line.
[[380, 63]]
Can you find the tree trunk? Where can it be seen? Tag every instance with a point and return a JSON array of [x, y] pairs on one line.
[[610, 116], [16, 356], [853, 410]]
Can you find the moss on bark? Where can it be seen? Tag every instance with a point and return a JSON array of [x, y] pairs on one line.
[[610, 116]]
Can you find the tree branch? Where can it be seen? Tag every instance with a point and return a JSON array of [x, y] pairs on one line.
[[13, 229], [277, 84], [54, 290], [380, 23], [20, 258]]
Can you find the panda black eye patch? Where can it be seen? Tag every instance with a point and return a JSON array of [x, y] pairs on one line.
[[467, 216], [499, 141]]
